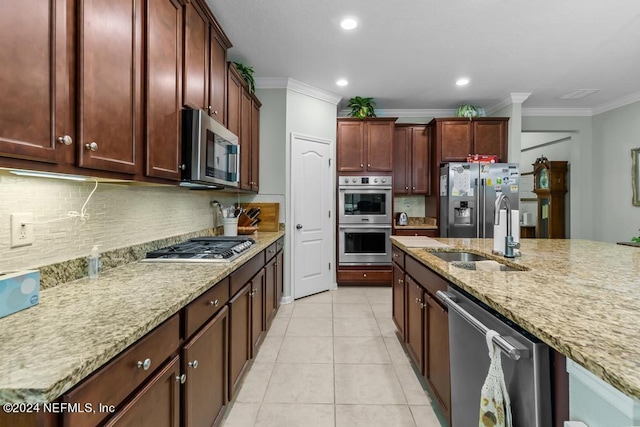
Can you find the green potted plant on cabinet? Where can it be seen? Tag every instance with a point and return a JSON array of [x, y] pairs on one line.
[[246, 72], [362, 107]]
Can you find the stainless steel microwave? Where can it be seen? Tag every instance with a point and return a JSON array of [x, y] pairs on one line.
[[210, 152]]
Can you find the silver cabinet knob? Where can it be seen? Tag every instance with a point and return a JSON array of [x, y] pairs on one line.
[[368, 165], [299, 226], [422, 305], [65, 139], [183, 167], [181, 378], [406, 188], [209, 107], [215, 112], [400, 281], [214, 303], [364, 274], [145, 365], [93, 146], [193, 364], [361, 165], [413, 188]]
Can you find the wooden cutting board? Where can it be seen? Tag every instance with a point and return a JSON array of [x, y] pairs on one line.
[[269, 215]]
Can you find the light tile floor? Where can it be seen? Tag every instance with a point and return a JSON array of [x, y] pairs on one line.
[[333, 359]]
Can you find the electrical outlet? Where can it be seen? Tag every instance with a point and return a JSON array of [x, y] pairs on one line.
[[22, 230]]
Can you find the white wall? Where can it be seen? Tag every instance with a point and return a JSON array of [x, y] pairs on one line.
[[615, 133]]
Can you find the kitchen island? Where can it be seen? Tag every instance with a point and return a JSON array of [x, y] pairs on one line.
[[79, 326], [580, 297]]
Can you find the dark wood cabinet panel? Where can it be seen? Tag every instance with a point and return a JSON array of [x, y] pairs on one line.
[[401, 160], [412, 160], [279, 277], [164, 101], [234, 99], [37, 102], [109, 84], [414, 332], [206, 305], [350, 146], [239, 333], [196, 56], [218, 76], [490, 137], [255, 144], [416, 232], [398, 299], [380, 146], [205, 364], [257, 311], [359, 276], [455, 139], [437, 353], [245, 140], [270, 291], [157, 404]]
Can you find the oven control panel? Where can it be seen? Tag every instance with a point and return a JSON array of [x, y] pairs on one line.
[[367, 181]]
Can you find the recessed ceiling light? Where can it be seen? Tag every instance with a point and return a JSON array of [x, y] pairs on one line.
[[462, 82], [342, 82], [349, 23]]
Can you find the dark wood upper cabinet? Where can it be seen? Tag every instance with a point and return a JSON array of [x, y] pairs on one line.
[[245, 140], [109, 91], [458, 137], [234, 99], [218, 75], [255, 143], [196, 56], [412, 160], [164, 101], [365, 145], [37, 105]]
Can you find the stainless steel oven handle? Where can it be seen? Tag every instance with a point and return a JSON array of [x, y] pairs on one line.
[[364, 227], [511, 351]]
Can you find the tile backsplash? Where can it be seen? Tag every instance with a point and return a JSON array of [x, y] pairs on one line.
[[414, 206], [119, 215]]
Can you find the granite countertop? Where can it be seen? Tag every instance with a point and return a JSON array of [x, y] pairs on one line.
[[418, 223], [580, 297], [80, 325]]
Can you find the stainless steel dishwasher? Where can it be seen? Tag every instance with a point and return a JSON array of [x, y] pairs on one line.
[[525, 362]]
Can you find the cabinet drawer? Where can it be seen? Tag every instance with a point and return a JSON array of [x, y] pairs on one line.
[[206, 305], [423, 275], [365, 276], [116, 380], [270, 252], [397, 255], [280, 244], [242, 275]]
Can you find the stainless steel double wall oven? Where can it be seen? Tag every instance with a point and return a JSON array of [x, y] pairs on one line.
[[364, 220]]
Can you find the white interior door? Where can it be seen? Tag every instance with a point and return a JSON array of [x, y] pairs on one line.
[[312, 217]]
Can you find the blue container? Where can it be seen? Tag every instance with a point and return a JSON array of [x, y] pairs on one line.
[[19, 290]]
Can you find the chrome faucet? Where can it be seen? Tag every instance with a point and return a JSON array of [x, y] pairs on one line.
[[509, 244]]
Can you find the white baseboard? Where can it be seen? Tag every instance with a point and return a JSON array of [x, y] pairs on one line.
[[286, 300]]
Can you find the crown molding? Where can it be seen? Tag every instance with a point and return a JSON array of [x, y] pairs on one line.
[[297, 86], [616, 103], [519, 97], [499, 106]]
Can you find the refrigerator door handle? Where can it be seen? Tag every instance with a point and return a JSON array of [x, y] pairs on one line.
[[484, 207], [478, 210]]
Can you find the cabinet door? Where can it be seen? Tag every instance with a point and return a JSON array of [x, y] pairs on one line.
[[234, 99], [437, 352], [380, 146], [37, 99], [257, 311], [350, 146], [255, 146], [420, 160], [455, 139], [239, 328], [217, 77], [414, 334], [196, 45], [490, 137], [279, 277], [401, 163], [205, 363], [245, 140], [270, 292], [109, 84], [164, 101], [398, 299], [157, 404]]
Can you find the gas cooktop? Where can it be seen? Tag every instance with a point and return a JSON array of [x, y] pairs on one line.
[[202, 249]]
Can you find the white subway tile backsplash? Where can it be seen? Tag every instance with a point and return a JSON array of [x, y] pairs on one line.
[[119, 215]]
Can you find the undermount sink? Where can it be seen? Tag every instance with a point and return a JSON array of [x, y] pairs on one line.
[[467, 261]]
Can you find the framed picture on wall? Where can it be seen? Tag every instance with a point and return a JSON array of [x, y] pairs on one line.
[[635, 175]]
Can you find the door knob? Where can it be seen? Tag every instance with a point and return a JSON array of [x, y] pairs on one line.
[[299, 226]]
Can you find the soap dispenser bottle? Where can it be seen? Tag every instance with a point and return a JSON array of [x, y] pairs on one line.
[[94, 262]]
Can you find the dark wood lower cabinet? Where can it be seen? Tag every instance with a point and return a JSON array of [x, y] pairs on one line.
[[437, 353], [157, 404], [204, 362], [239, 324], [279, 277], [414, 335], [398, 302], [257, 311], [271, 290]]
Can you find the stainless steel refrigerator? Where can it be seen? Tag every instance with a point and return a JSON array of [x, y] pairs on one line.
[[468, 192]]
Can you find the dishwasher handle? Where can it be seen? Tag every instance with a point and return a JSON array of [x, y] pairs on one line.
[[504, 345]]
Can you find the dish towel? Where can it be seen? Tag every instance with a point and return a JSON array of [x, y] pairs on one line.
[[495, 407]]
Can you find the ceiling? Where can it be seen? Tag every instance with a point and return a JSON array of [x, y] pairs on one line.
[[408, 54]]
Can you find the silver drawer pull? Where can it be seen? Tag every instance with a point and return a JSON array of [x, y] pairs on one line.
[[181, 378], [65, 139], [145, 365], [92, 146], [214, 303], [193, 364]]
